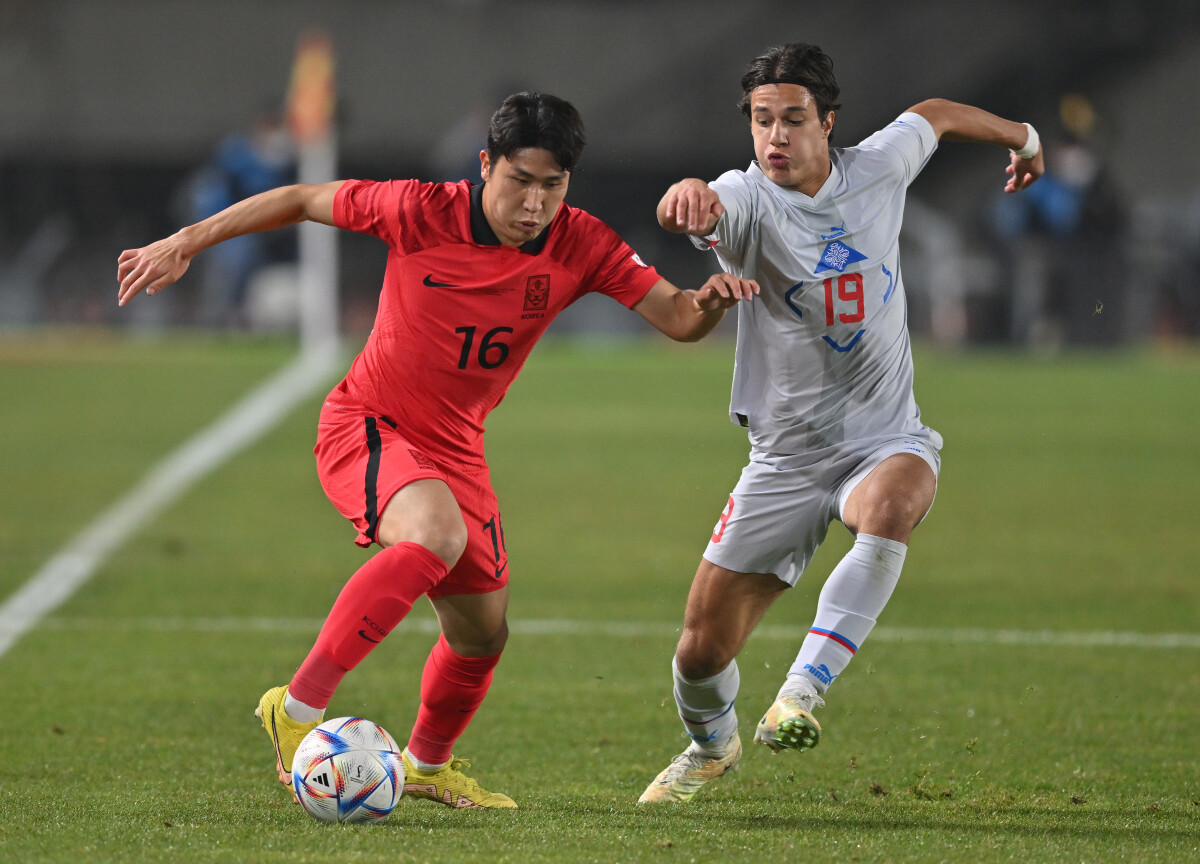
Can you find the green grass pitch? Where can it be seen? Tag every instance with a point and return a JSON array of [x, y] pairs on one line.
[[1067, 508]]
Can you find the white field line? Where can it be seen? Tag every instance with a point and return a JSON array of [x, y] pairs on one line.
[[649, 629], [244, 424]]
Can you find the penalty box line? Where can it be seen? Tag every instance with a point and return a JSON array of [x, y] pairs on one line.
[[244, 424]]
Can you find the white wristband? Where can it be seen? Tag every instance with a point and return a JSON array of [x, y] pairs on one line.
[[1032, 145]]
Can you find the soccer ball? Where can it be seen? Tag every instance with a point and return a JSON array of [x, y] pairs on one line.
[[348, 770]]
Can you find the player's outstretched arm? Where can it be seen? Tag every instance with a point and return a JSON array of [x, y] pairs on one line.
[[687, 316], [957, 122], [154, 267], [690, 207]]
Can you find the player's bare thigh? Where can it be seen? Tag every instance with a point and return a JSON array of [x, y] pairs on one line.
[[723, 608], [474, 624], [892, 499], [425, 512]]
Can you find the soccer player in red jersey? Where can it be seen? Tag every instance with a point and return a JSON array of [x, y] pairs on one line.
[[475, 275]]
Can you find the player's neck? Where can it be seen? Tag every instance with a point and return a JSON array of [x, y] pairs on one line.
[[813, 186]]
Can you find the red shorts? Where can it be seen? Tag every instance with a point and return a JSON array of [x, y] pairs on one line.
[[363, 460]]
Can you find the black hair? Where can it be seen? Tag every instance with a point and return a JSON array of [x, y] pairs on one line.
[[794, 63], [532, 119]]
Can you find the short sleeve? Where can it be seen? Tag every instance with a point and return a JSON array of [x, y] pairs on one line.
[[908, 141], [370, 207], [734, 226], [615, 269]]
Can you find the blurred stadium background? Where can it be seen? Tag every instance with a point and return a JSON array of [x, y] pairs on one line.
[[122, 119]]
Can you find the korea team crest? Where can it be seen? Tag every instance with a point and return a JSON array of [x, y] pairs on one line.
[[537, 293]]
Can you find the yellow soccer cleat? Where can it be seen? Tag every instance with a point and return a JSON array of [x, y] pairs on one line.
[[285, 733], [690, 770], [789, 723], [449, 786]]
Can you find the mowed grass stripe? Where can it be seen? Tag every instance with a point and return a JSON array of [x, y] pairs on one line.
[[650, 629]]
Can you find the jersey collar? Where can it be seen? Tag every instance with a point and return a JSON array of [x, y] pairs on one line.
[[792, 195], [482, 233]]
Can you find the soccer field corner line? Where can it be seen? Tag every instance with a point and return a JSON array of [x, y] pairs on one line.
[[244, 424]]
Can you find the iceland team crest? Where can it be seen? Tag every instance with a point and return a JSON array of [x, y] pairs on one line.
[[838, 256]]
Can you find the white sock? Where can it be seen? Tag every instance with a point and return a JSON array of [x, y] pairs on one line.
[[300, 712], [801, 687], [424, 766], [852, 599], [706, 707]]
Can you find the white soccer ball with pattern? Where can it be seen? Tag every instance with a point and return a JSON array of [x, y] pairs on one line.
[[348, 770]]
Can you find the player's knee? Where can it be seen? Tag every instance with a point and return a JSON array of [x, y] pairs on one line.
[[697, 658], [894, 517], [892, 513], [445, 538], [480, 642], [441, 531]]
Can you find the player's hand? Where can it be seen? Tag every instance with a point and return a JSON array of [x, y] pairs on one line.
[[723, 290], [1022, 172], [692, 207], [150, 268]]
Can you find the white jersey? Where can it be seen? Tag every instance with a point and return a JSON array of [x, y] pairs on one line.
[[823, 358]]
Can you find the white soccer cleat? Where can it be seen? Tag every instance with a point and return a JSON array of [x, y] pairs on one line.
[[789, 724], [690, 770]]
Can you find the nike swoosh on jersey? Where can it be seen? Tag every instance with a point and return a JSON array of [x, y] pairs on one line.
[[428, 280], [364, 635]]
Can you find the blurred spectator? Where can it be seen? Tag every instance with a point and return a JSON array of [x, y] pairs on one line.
[[1063, 240], [244, 164], [1179, 309]]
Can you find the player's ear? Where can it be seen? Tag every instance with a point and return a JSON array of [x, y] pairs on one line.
[[827, 123], [485, 165]]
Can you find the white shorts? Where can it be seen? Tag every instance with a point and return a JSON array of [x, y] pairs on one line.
[[780, 509]]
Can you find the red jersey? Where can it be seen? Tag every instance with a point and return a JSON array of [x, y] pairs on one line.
[[459, 312]]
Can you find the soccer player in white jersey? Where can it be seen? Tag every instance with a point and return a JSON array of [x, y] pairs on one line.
[[823, 381]]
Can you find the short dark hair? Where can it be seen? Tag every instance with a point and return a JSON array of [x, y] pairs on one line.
[[793, 63], [532, 119]]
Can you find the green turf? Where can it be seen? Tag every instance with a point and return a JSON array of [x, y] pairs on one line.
[[1067, 504]]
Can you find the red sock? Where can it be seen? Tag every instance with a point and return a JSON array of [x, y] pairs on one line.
[[452, 688], [375, 600]]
